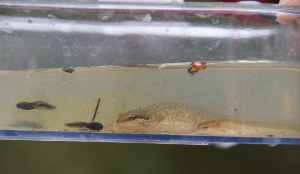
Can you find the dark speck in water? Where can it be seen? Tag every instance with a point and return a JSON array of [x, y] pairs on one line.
[[67, 69]]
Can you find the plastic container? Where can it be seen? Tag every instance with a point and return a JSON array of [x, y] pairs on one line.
[[58, 59]]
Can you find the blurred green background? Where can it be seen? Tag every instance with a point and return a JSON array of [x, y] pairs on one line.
[[79, 157]]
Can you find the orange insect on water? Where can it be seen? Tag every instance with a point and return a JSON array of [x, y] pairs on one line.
[[196, 66]]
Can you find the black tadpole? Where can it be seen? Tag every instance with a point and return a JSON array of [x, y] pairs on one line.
[[95, 113], [35, 105], [92, 126], [80, 124]]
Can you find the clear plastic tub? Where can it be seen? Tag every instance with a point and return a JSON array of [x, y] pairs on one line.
[[180, 73]]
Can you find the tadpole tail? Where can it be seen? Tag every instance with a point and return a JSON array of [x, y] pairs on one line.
[[77, 124], [95, 113]]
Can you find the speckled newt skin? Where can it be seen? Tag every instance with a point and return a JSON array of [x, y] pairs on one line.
[[171, 118], [228, 127]]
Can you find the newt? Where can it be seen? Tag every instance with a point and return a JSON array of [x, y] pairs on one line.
[[177, 118], [171, 118]]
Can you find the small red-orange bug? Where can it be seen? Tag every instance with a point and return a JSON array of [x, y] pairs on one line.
[[196, 66]]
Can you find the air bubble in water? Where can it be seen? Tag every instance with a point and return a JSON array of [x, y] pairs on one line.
[[52, 18], [104, 18], [215, 21], [167, 29], [29, 20], [59, 36], [218, 43], [31, 66], [66, 50], [5, 26], [147, 18], [105, 15]]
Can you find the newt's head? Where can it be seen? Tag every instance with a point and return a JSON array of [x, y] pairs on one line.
[[209, 125], [132, 117], [134, 120]]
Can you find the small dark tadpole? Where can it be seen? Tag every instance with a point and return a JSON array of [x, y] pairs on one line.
[[67, 69], [35, 105], [92, 126]]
